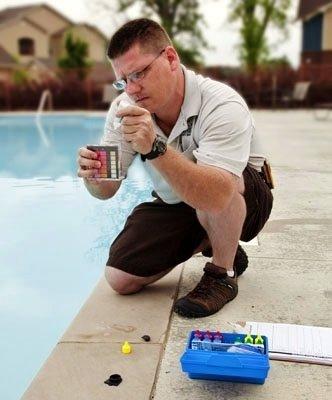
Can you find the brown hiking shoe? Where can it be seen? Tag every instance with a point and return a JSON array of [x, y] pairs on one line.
[[212, 292]]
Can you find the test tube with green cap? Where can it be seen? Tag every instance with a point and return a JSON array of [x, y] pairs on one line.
[[259, 339], [248, 339]]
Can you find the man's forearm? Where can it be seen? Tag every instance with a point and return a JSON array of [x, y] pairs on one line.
[[203, 187]]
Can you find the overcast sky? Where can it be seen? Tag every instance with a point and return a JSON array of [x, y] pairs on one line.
[[221, 34]]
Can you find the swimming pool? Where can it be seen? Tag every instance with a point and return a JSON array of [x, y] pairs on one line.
[[54, 236]]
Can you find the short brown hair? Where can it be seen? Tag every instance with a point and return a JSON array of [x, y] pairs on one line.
[[147, 33]]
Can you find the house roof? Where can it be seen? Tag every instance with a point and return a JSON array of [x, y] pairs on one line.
[[44, 62], [311, 7], [93, 28], [11, 13], [88, 26], [14, 13], [6, 58]]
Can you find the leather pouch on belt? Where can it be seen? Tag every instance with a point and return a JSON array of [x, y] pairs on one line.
[[266, 169]]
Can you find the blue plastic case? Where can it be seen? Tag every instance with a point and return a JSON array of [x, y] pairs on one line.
[[226, 366]]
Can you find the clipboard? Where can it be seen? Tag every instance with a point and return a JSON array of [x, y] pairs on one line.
[[297, 343]]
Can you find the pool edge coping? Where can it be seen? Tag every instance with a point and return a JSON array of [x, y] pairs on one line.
[[39, 386]]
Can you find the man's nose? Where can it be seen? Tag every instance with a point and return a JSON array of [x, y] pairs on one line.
[[132, 87]]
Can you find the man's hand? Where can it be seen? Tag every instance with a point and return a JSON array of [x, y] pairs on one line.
[[88, 165], [137, 128]]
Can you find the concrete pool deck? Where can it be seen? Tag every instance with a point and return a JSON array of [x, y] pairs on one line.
[[288, 280]]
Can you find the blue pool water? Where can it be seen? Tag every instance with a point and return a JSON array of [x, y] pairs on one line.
[[54, 236]]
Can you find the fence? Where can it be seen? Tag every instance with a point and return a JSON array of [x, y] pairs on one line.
[[67, 95], [267, 88]]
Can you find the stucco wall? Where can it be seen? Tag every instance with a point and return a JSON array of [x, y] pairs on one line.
[[327, 30], [56, 47], [10, 35], [47, 20]]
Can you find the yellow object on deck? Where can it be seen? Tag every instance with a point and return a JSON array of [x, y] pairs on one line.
[[126, 348]]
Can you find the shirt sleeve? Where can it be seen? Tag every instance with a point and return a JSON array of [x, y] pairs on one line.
[[225, 136], [113, 136]]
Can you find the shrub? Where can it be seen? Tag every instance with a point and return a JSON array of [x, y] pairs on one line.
[[20, 77]]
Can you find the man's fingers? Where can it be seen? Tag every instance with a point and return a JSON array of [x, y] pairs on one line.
[[130, 128], [132, 120], [128, 137], [95, 181], [86, 162], [84, 152], [87, 173], [131, 110]]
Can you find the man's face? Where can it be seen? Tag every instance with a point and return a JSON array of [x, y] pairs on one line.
[[153, 91]]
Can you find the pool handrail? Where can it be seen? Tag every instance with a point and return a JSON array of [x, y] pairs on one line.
[[46, 95]]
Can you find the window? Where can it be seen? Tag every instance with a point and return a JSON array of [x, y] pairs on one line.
[[26, 46], [312, 34]]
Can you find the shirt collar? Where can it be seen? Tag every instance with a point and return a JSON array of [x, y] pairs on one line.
[[192, 95], [190, 106]]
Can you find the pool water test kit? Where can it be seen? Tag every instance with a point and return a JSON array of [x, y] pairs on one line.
[[110, 161], [231, 357]]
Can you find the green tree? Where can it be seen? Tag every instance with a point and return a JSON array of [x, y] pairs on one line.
[[255, 17], [182, 21], [76, 57]]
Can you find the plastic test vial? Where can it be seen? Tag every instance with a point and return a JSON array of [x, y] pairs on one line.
[[121, 105], [217, 342], [207, 341], [196, 343]]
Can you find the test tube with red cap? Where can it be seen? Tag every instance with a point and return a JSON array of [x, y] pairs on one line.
[[196, 343], [217, 342], [207, 341]]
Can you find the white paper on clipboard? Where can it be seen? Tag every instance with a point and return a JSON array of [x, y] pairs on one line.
[[298, 343]]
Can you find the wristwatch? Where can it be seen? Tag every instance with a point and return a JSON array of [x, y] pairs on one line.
[[159, 148]]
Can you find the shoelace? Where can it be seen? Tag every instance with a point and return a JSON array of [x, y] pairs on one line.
[[203, 286]]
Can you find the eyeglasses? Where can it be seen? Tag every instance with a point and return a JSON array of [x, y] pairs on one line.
[[134, 77]]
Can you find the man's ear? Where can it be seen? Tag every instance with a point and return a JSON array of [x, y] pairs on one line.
[[172, 57]]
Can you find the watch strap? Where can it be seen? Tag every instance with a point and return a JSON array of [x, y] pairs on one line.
[[155, 152]]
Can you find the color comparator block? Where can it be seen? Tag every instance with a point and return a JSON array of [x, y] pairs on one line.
[[110, 163]]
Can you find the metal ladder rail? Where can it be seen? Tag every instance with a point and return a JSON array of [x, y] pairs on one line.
[[46, 95]]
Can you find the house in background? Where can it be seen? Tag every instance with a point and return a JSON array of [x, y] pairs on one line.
[[7, 64], [316, 17], [33, 37]]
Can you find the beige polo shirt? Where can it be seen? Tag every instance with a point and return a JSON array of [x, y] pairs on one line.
[[214, 127]]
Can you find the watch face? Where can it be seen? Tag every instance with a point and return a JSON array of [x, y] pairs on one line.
[[160, 145]]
